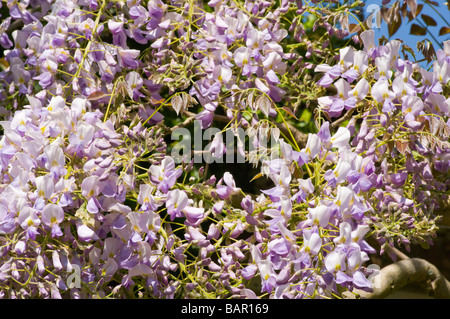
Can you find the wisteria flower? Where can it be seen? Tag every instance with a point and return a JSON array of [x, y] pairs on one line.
[[224, 191], [87, 183], [242, 58], [177, 201], [29, 220], [164, 175], [52, 216]]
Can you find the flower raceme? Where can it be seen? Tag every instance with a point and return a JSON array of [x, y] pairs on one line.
[[52, 216], [87, 180]]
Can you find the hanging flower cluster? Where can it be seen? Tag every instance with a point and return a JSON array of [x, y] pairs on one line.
[[89, 188]]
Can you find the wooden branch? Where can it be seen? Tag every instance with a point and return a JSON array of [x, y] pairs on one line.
[[189, 120], [299, 136], [393, 252], [346, 117], [402, 273], [397, 252]]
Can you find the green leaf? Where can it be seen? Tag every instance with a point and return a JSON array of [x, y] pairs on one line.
[[402, 147], [404, 10], [305, 116], [354, 28], [264, 104], [427, 49], [412, 4], [309, 23], [97, 95], [288, 111], [394, 26], [409, 50], [394, 19], [428, 20], [444, 30], [434, 3], [418, 11], [417, 30]]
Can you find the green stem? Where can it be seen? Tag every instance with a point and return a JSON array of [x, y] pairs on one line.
[[438, 13], [86, 51], [431, 34], [111, 98]]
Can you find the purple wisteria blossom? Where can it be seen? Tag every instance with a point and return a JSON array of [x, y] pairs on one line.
[[92, 204], [52, 216]]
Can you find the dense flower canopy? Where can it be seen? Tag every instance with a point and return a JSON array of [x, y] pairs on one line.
[[90, 92]]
